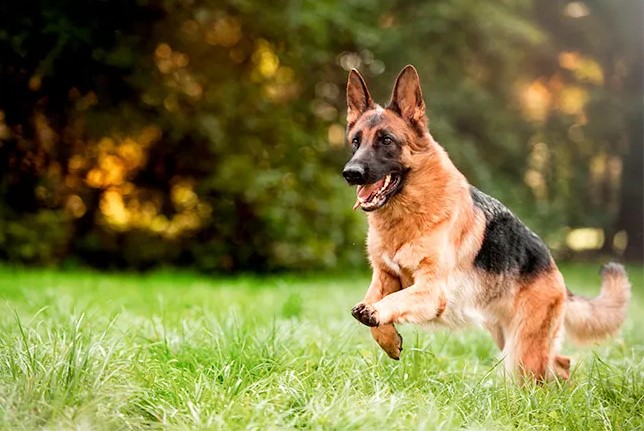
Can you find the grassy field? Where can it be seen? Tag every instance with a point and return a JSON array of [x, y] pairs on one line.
[[81, 350]]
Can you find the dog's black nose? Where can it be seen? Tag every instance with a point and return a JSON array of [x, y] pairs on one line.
[[354, 174]]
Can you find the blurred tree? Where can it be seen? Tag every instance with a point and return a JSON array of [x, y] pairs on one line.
[[58, 59], [607, 132], [210, 133], [626, 83]]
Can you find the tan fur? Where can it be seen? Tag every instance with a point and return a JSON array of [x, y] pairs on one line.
[[594, 319], [534, 325], [422, 245]]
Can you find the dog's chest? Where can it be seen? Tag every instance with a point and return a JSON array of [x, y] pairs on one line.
[[396, 266], [460, 288], [400, 259], [392, 265]]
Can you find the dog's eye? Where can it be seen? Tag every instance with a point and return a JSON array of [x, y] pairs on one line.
[[387, 140], [356, 143]]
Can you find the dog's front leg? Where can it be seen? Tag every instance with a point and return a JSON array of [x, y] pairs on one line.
[[383, 284], [422, 302]]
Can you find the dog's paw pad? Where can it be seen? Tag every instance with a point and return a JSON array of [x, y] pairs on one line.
[[365, 314]]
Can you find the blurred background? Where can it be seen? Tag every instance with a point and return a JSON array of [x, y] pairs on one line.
[[210, 133]]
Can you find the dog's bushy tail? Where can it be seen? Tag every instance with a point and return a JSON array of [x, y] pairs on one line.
[[593, 319]]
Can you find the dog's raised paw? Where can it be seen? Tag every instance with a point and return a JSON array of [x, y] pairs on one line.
[[397, 348], [365, 314], [389, 339]]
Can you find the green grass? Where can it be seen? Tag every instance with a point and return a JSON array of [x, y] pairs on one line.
[[81, 350]]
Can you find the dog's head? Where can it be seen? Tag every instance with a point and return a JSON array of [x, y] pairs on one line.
[[384, 139]]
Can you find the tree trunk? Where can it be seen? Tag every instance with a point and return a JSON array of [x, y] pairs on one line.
[[631, 212]]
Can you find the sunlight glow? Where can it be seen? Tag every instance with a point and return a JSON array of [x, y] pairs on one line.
[[572, 99], [583, 68], [265, 59], [75, 206], [620, 241], [535, 100], [586, 238], [225, 32], [576, 9], [335, 135], [123, 206]]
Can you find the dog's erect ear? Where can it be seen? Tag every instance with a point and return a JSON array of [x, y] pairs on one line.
[[358, 98], [407, 98]]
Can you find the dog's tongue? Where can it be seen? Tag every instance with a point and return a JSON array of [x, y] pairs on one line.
[[365, 191]]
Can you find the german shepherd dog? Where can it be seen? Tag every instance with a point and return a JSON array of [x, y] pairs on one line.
[[444, 252]]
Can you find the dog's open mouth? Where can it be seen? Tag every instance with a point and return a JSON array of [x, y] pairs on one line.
[[373, 196]]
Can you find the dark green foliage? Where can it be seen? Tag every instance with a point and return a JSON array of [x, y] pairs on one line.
[[209, 133], [37, 238]]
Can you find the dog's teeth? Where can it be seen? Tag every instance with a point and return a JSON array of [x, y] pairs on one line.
[[357, 204], [386, 183]]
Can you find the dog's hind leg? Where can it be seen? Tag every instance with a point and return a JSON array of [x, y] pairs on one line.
[[536, 327], [561, 366], [496, 330], [387, 337]]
